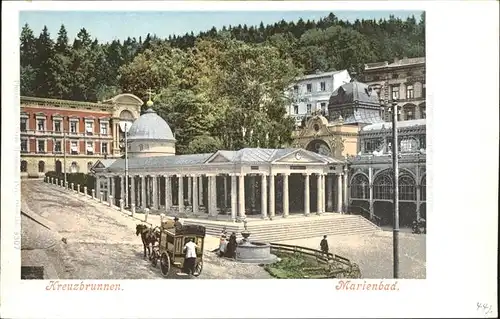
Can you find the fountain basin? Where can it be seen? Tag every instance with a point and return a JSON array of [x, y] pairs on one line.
[[254, 252]]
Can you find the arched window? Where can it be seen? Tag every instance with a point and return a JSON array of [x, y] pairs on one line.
[[408, 144], [41, 167], [141, 147], [407, 188], [58, 167], [423, 189], [409, 112], [360, 188], [422, 111], [24, 166], [74, 167], [89, 166], [382, 187]]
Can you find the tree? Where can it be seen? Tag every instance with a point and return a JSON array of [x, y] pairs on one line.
[[28, 52], [62, 46], [44, 64]]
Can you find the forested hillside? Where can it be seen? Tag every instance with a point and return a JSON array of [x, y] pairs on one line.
[[220, 88]]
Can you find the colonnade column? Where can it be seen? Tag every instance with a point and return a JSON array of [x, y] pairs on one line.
[[339, 193], [111, 186], [286, 200], [318, 194], [225, 190], [194, 178], [418, 200], [154, 200], [122, 187], [143, 192], [307, 205], [212, 183], [132, 190], [345, 190], [272, 207], [234, 199], [200, 191], [241, 189], [180, 194], [329, 193], [263, 203], [323, 202], [168, 193], [190, 190]]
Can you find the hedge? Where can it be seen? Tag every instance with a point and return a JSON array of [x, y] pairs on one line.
[[76, 178]]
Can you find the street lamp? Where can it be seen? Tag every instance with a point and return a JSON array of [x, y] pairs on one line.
[[126, 165], [395, 167]]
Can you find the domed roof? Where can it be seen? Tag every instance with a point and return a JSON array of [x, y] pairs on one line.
[[150, 126], [354, 92]]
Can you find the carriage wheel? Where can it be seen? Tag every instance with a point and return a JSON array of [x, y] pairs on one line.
[[198, 268], [165, 264], [154, 259]]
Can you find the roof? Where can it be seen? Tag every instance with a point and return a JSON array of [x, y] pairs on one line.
[[247, 156], [388, 125], [320, 75], [396, 63], [150, 126], [354, 92]]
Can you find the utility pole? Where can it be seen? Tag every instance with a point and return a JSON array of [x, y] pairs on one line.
[[126, 165], [395, 168]]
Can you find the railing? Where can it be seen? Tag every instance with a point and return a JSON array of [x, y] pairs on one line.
[[321, 257], [366, 214]]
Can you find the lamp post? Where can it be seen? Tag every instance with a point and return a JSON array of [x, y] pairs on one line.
[[395, 168], [126, 165], [64, 153]]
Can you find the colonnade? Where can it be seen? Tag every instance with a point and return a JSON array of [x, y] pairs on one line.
[[145, 191]]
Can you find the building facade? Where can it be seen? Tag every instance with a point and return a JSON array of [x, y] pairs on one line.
[[371, 175], [237, 184], [70, 136], [402, 81], [311, 93]]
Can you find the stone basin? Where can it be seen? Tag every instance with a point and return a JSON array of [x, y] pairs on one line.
[[254, 252]]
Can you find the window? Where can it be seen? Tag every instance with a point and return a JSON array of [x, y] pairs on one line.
[[141, 147], [41, 146], [89, 127], [409, 92], [395, 76], [90, 148], [73, 126], [57, 147], [308, 108], [40, 125], [409, 113], [74, 147], [57, 126], [382, 187], [372, 145], [296, 89], [360, 187], [423, 189], [423, 91], [407, 188], [58, 167], [422, 112], [74, 167], [322, 86], [104, 128], [89, 166], [408, 145], [24, 124], [323, 107], [24, 145], [309, 88], [295, 109], [376, 78], [41, 167], [24, 166], [104, 148], [395, 92]]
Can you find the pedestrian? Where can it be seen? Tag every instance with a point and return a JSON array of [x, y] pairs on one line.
[[190, 257], [222, 245], [324, 246], [177, 223], [231, 246]]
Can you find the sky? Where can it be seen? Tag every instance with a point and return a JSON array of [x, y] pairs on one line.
[[111, 25]]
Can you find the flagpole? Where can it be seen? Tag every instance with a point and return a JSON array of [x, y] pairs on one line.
[[126, 166]]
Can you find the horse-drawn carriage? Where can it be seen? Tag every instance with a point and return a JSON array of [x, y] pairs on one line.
[[170, 248]]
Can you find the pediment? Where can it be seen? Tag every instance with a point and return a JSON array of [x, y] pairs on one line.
[[98, 165], [218, 158], [300, 156]]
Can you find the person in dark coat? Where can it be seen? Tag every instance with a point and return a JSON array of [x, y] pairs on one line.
[[231, 246], [324, 245], [177, 224]]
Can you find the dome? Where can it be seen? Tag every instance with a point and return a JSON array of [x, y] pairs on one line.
[[354, 92], [150, 126]]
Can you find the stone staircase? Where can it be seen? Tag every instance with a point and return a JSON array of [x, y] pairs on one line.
[[294, 228]]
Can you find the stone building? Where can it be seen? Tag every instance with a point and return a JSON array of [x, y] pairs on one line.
[[402, 81], [84, 131], [251, 181], [310, 93], [371, 175]]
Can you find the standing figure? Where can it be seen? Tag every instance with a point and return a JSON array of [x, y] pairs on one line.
[[231, 246], [222, 245], [190, 257], [324, 246]]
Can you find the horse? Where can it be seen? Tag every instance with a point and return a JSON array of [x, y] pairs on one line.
[[148, 236]]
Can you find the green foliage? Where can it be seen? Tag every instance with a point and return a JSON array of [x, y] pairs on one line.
[[220, 88], [76, 178]]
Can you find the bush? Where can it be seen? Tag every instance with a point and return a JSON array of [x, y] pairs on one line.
[[76, 178]]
